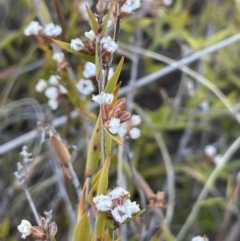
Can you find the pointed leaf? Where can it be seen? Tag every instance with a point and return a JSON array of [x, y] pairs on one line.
[[66, 46], [167, 234], [114, 79], [82, 230], [94, 149], [100, 226], [115, 137], [82, 203], [103, 182], [94, 187], [92, 20], [105, 21]]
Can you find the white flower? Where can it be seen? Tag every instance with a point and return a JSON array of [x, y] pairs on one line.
[[199, 238], [217, 160], [114, 125], [58, 57], [53, 79], [25, 228], [130, 207], [76, 44], [118, 192], [90, 34], [41, 85], [122, 131], [62, 89], [85, 86], [119, 214], [53, 103], [103, 98], [89, 70], [167, 2], [103, 203], [210, 151], [135, 120], [130, 5], [51, 93], [109, 44], [134, 133], [33, 28], [52, 29]]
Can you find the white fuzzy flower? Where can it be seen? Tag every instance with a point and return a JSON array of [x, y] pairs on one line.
[[41, 85], [135, 120], [122, 131], [134, 133], [52, 29], [199, 238], [76, 44], [53, 103], [89, 70], [58, 57], [90, 34], [118, 192], [130, 5], [114, 125], [53, 79], [103, 203], [85, 86], [130, 207], [33, 28], [25, 228], [210, 151], [109, 44], [103, 98], [119, 214], [51, 93]]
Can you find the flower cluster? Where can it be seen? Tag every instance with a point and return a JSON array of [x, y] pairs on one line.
[[112, 114], [107, 43], [117, 205], [45, 231], [127, 7], [199, 238], [128, 128], [52, 90], [210, 152], [34, 28]]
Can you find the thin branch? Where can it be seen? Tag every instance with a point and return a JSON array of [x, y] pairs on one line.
[[168, 164], [209, 184]]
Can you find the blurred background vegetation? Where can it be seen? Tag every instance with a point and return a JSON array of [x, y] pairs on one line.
[[184, 111]]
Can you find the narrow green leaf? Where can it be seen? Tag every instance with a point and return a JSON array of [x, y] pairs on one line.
[[82, 230], [9, 37], [94, 149], [167, 234], [103, 182], [100, 226], [115, 137], [66, 46], [4, 227], [105, 21], [92, 20], [94, 187], [114, 79], [156, 236]]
